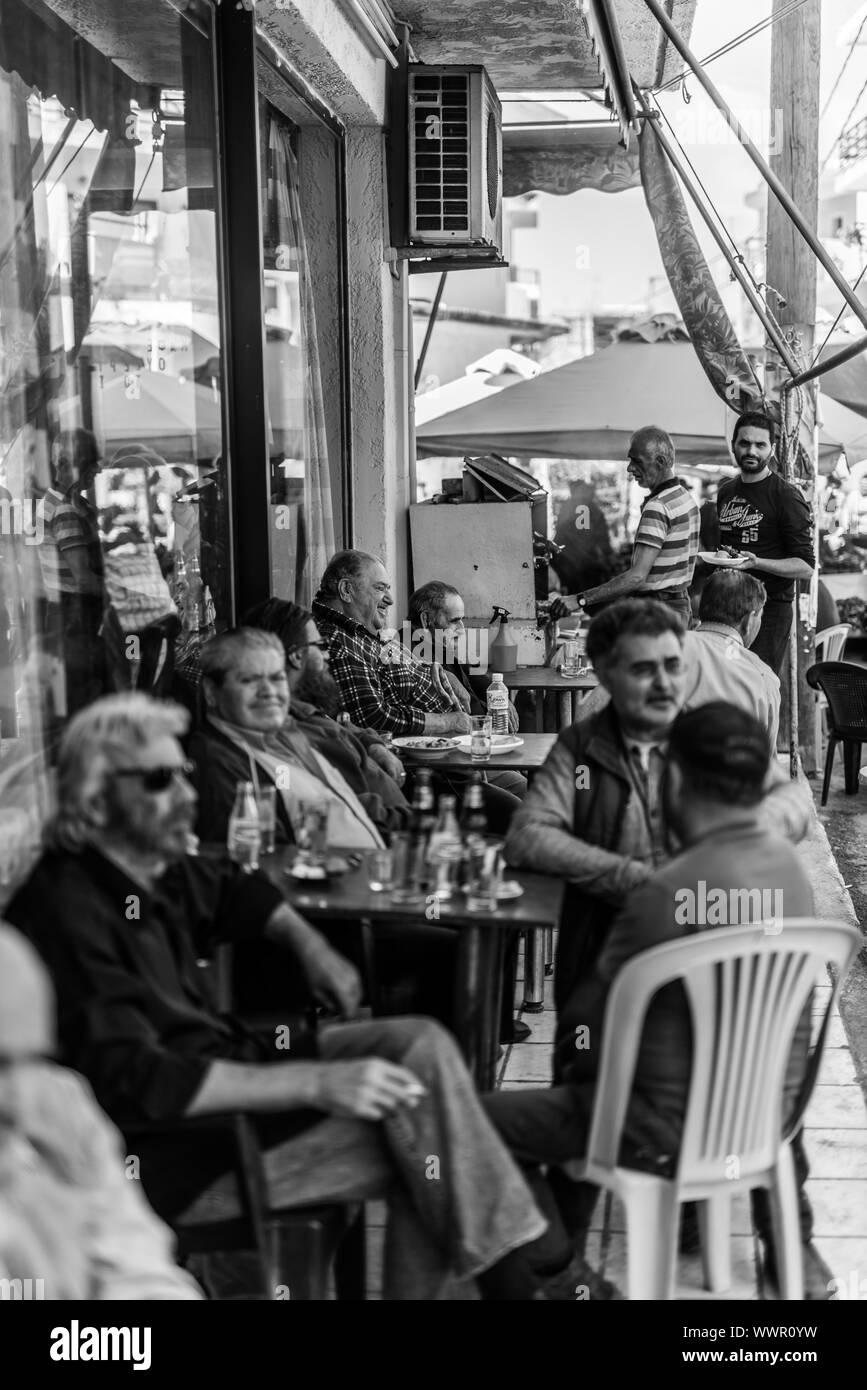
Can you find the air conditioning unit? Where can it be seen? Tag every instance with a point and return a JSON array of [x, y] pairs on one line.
[[455, 147]]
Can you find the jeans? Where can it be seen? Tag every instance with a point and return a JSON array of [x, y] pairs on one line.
[[772, 640], [551, 1126], [457, 1203]]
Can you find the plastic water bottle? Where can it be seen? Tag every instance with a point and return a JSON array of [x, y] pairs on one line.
[[498, 704], [245, 835]]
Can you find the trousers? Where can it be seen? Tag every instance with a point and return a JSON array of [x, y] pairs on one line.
[[457, 1202]]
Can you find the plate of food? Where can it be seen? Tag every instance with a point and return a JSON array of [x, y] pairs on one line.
[[726, 556], [425, 745], [500, 743]]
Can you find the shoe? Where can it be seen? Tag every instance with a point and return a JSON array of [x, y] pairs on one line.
[[577, 1282], [819, 1282], [519, 1032]]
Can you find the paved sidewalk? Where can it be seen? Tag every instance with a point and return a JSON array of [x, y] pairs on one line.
[[835, 1134]]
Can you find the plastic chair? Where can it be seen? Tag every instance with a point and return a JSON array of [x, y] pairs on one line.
[[830, 645], [844, 686], [746, 991]]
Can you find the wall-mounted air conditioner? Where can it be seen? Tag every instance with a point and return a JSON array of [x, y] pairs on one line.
[[455, 149]]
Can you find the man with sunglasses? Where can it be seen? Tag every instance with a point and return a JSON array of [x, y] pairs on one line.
[[120, 912]]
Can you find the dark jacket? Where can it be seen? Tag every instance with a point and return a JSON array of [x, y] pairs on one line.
[[221, 765], [347, 750]]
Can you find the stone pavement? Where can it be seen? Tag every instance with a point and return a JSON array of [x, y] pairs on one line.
[[835, 1134]]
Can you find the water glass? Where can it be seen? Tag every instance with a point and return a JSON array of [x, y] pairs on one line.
[[407, 854], [448, 863], [380, 871], [572, 658], [311, 834], [480, 737], [266, 803], [484, 871]]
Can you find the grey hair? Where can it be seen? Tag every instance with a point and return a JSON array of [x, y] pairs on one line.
[[98, 739], [657, 442], [219, 656], [346, 564], [429, 600]]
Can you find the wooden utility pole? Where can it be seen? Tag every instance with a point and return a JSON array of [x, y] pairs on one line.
[[791, 265]]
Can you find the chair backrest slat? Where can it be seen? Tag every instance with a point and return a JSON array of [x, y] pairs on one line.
[[831, 642], [746, 989]]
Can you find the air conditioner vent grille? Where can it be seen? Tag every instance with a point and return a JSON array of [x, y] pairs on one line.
[[441, 137]]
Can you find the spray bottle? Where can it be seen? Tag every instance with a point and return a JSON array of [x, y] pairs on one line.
[[503, 654]]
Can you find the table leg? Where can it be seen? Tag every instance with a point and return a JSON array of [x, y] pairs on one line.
[[534, 971], [478, 987], [564, 702]]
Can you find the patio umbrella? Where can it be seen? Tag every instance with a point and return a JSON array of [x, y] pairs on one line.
[[490, 374], [591, 407], [174, 416]]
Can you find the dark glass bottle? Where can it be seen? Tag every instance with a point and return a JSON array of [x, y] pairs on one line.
[[474, 817]]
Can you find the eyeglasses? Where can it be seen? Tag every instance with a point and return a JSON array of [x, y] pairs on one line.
[[157, 779], [296, 646]]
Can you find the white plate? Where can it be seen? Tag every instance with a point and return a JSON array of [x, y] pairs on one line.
[[712, 557], [406, 744], [500, 743]]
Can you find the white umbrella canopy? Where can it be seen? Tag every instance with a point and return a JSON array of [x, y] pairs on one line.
[[590, 408], [489, 375]]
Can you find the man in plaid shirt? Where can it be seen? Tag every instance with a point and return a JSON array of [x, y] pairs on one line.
[[383, 685]]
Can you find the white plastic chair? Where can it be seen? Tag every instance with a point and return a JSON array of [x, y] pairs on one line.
[[830, 644], [746, 990]]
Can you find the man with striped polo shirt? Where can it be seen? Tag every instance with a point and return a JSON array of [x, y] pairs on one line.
[[666, 542]]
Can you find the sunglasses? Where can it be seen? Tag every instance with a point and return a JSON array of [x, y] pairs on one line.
[[157, 779]]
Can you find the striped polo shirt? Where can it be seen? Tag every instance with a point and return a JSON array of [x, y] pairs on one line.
[[669, 522]]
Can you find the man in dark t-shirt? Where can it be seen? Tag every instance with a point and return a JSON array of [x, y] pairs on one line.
[[760, 513]]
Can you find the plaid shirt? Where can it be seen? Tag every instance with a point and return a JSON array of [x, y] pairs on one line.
[[383, 686]]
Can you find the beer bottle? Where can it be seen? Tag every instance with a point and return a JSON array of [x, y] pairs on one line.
[[474, 818]]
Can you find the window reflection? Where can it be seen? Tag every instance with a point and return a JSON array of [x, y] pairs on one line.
[[114, 559]]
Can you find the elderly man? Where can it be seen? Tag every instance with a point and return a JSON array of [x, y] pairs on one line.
[[383, 686], [717, 662], [593, 814], [120, 912], [249, 735], [768, 520], [713, 793], [666, 542], [72, 1224], [359, 754]]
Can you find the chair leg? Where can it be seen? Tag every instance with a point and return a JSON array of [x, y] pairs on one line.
[[829, 763], [549, 950], [651, 1239], [534, 971], [350, 1263], [714, 1223], [851, 764], [786, 1228]]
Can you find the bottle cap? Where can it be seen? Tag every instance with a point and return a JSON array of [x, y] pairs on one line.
[[496, 675]]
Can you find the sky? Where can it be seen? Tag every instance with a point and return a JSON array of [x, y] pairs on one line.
[[621, 254]]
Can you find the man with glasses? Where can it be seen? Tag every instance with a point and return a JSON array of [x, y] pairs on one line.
[[120, 911], [361, 755]]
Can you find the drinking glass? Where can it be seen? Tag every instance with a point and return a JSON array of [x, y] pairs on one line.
[[266, 802], [571, 658], [448, 861], [311, 834], [407, 851], [484, 870], [380, 871], [480, 737]]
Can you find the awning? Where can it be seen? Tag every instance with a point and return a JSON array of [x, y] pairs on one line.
[[590, 408]]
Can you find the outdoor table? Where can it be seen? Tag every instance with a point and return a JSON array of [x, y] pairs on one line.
[[527, 759], [547, 681], [481, 938]]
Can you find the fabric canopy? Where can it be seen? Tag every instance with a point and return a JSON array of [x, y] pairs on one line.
[[590, 408]]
